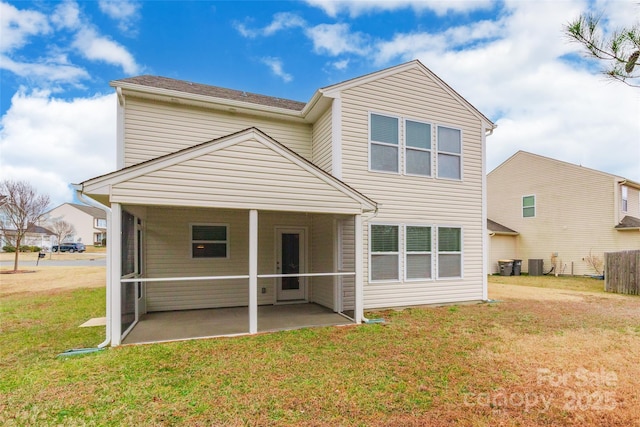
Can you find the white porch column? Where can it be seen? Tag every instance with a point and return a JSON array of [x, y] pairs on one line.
[[359, 269], [114, 246], [253, 271]]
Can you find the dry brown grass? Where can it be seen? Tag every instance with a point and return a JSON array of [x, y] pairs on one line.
[[41, 278]]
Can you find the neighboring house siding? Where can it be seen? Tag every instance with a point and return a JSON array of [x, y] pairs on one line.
[[242, 168], [417, 200], [322, 250], [84, 223], [575, 211], [322, 142], [169, 228], [633, 202], [154, 128]]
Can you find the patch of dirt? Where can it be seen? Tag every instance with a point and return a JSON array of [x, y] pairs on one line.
[[499, 291]]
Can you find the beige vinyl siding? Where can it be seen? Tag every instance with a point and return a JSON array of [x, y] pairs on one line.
[[321, 145], [245, 175], [347, 263], [575, 211], [417, 200], [322, 248], [154, 128], [633, 203], [168, 254]]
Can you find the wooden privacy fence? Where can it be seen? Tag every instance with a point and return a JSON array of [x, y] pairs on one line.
[[622, 272]]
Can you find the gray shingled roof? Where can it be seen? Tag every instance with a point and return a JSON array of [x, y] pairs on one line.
[[629, 222], [94, 212], [498, 228], [213, 91]]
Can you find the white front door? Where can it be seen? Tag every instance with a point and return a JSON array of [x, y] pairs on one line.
[[290, 259]]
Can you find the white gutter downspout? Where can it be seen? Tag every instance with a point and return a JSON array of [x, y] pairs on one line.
[[107, 210]]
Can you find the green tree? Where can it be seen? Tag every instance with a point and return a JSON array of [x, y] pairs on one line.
[[619, 50]]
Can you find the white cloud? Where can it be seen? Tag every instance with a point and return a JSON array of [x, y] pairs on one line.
[[66, 16], [356, 8], [99, 48], [52, 143], [53, 69], [127, 13], [16, 26], [341, 65], [275, 64], [54, 65], [281, 21], [336, 39]]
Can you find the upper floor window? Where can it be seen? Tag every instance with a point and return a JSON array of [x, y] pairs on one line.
[[209, 241], [101, 223], [449, 153], [384, 138], [385, 252], [528, 206], [625, 198], [417, 148]]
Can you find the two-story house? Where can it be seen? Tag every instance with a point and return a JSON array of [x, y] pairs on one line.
[[560, 213], [89, 222], [370, 195]]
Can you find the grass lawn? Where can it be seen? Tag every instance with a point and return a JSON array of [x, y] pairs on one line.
[[523, 361]]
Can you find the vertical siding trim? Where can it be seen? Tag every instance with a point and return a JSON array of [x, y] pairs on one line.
[[336, 137], [114, 248], [359, 305], [253, 271], [485, 235], [120, 113]]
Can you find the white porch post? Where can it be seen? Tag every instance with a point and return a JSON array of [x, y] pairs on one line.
[[253, 271], [114, 246], [359, 269]]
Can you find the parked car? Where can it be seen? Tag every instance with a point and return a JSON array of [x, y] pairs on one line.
[[69, 247]]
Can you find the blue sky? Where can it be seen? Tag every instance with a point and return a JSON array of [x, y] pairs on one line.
[[509, 59]]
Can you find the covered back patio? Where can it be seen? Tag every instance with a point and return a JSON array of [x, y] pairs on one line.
[[236, 236]]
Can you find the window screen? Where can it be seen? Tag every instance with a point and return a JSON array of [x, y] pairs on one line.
[[384, 252]]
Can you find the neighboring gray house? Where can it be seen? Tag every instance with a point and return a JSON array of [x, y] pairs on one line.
[[90, 223], [370, 195]]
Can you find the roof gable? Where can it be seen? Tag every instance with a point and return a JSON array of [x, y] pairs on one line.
[[244, 170], [334, 90], [537, 157]]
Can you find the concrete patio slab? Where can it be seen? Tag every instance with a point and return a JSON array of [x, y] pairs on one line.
[[191, 324]]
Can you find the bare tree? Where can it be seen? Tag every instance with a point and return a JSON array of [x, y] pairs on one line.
[[620, 50], [21, 205], [595, 262], [61, 229]]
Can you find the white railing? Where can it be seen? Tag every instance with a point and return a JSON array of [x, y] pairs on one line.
[[260, 276]]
